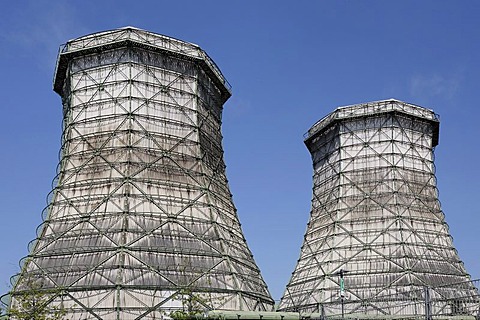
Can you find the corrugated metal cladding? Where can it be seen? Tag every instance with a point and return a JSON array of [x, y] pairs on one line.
[[377, 237], [141, 221]]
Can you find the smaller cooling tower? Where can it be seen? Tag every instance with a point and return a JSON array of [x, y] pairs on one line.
[[141, 221], [377, 238]]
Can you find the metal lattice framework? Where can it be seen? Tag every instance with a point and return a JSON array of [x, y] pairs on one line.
[[141, 220], [377, 236]]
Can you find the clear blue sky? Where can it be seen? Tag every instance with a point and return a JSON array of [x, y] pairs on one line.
[[290, 63]]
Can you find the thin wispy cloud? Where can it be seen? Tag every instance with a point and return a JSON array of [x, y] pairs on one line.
[[51, 25], [435, 85]]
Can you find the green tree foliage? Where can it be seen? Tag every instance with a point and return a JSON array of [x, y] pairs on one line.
[[192, 305], [2, 312], [31, 301]]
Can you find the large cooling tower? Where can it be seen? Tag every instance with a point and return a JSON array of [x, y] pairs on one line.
[[377, 242], [141, 221]]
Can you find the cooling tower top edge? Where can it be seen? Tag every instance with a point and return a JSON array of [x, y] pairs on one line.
[[105, 39], [369, 109], [141, 35]]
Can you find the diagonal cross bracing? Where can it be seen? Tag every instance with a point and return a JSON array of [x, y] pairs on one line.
[[375, 214], [141, 212]]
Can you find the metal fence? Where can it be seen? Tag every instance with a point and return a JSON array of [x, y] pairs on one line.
[[450, 301]]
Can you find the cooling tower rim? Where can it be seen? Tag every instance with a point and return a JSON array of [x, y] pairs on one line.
[[98, 41], [110, 31], [373, 108]]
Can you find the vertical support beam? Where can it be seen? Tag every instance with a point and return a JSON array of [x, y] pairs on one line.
[[428, 304]]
